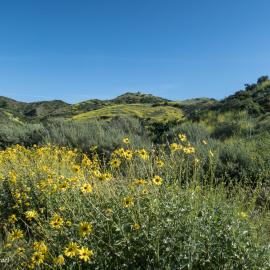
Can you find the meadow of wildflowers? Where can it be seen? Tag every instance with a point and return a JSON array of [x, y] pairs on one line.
[[156, 208]]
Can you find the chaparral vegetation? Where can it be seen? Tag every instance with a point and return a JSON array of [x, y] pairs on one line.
[[138, 182]]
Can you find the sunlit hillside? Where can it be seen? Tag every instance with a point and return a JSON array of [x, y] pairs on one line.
[[160, 114]]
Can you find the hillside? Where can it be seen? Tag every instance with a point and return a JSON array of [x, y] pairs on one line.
[[158, 114], [34, 110], [57, 108], [255, 99], [241, 114], [6, 117]]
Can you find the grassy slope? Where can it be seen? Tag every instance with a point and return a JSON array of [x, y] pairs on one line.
[[155, 114], [8, 117]]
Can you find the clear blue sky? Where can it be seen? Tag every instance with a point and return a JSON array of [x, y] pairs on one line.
[[179, 49]]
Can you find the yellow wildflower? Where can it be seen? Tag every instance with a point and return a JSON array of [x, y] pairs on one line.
[[86, 161], [85, 254], [68, 223], [40, 247], [120, 152], [128, 154], [105, 177], [86, 188], [115, 163], [126, 140], [144, 191], [128, 201], [12, 218], [71, 250], [143, 154], [31, 214], [59, 260], [160, 163], [189, 150], [12, 177], [76, 168], [37, 258], [15, 234], [63, 186], [85, 229], [175, 147], [140, 182], [157, 180], [56, 222], [20, 250], [182, 137]]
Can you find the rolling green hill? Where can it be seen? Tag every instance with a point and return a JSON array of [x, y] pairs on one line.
[[255, 99], [159, 114], [35, 110], [57, 108], [253, 102]]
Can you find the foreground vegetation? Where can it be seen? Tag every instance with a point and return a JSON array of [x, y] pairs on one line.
[[160, 208], [137, 182]]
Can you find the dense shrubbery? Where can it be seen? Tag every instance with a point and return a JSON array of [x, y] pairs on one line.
[[245, 162], [17, 133], [241, 146], [105, 134]]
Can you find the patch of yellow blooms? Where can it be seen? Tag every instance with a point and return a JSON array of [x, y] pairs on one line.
[[51, 172]]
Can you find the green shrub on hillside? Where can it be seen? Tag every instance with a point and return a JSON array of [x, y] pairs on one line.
[[21, 133], [104, 134]]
